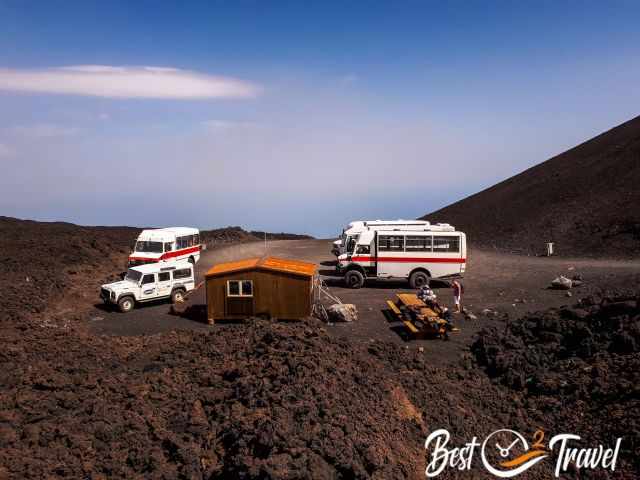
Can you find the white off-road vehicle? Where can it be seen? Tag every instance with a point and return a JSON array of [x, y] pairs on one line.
[[150, 282]]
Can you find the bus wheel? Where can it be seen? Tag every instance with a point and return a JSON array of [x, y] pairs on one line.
[[418, 279], [126, 304], [354, 279]]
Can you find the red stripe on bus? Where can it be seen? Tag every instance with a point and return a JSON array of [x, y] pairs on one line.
[[168, 255], [409, 259]]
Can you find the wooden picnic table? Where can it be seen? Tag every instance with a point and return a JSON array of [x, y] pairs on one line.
[[424, 320], [412, 301]]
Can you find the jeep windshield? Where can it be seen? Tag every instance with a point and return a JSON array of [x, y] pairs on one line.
[[133, 276], [151, 247]]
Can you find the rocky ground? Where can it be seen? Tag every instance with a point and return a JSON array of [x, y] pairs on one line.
[[224, 236], [575, 368], [284, 400]]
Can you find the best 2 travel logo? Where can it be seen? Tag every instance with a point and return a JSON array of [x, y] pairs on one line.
[[506, 453]]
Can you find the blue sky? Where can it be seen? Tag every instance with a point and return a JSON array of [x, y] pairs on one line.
[[296, 116]]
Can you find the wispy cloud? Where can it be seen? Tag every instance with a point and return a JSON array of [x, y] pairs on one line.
[[349, 79], [125, 82], [223, 125], [43, 130]]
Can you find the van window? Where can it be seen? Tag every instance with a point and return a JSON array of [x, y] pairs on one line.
[[184, 242], [391, 243], [416, 243], [446, 244], [182, 273], [240, 288], [148, 278], [164, 276], [151, 247]]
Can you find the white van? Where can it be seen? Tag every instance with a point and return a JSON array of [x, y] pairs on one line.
[[164, 244], [150, 282]]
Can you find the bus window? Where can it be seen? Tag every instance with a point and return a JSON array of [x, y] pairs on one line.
[[196, 239], [363, 250], [418, 243], [391, 243], [168, 247], [446, 244]]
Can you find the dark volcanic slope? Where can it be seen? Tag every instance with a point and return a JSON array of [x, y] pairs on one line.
[[587, 200], [41, 261]]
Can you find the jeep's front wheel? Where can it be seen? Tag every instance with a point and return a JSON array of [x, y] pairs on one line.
[[126, 304], [177, 296]]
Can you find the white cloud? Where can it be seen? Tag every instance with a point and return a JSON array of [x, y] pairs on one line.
[[43, 130], [125, 82], [104, 116], [222, 125], [6, 151], [348, 80]]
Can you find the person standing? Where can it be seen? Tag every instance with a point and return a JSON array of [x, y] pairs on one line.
[[458, 290]]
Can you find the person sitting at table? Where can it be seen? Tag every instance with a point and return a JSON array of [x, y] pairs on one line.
[[426, 294]]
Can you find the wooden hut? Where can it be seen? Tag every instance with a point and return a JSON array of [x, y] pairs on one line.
[[271, 287]]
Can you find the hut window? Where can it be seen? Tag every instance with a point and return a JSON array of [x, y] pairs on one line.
[[240, 288]]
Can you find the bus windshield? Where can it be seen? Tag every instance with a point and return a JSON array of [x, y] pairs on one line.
[[153, 247], [133, 276]]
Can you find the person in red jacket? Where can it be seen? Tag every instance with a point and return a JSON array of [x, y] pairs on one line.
[[458, 290]]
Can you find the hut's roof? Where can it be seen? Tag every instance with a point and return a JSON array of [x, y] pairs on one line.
[[295, 267]]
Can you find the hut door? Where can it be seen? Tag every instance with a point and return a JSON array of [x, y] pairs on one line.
[[239, 301]]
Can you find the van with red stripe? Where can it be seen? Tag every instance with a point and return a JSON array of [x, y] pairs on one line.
[[166, 244], [435, 252]]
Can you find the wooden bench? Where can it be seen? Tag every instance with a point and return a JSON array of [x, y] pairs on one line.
[[394, 308], [410, 326]]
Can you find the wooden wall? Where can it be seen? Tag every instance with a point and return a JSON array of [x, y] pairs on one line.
[[275, 294]]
